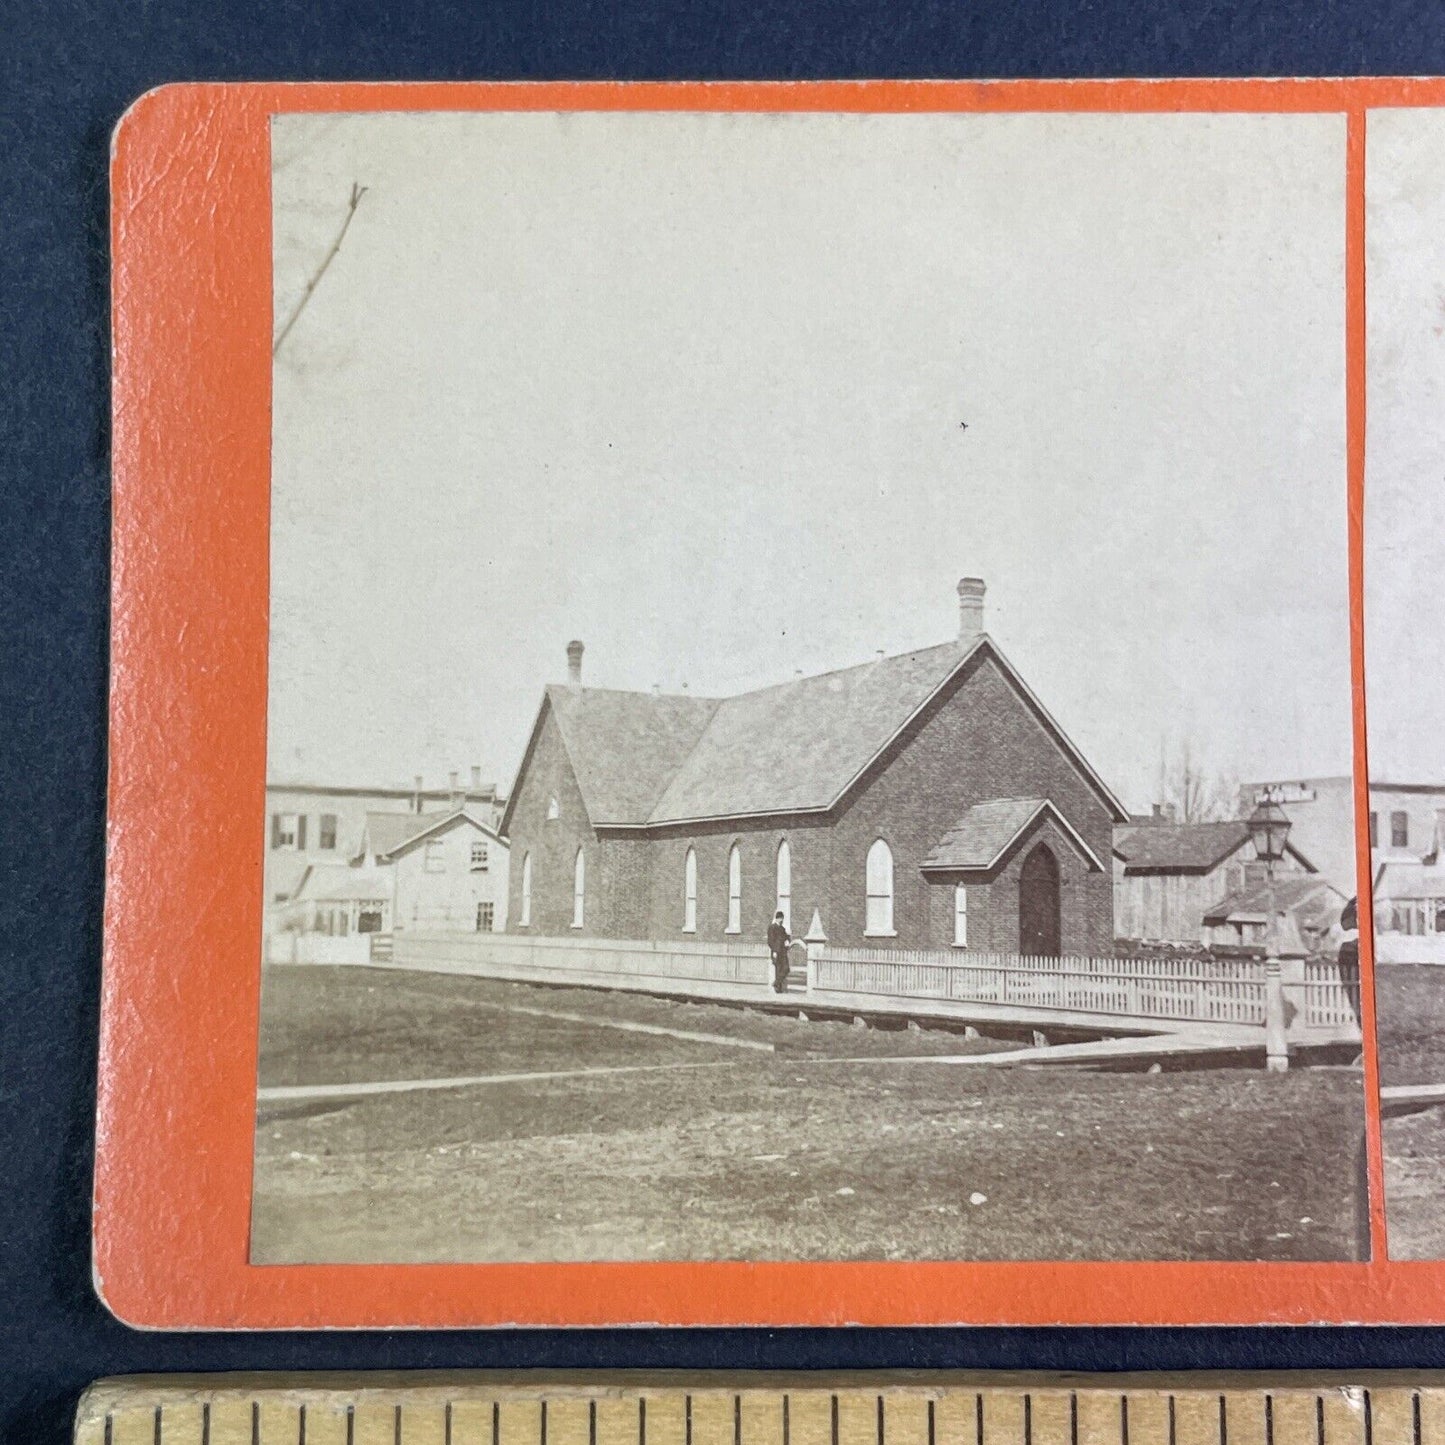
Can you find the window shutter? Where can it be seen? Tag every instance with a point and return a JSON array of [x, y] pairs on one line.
[[275, 830], [301, 832]]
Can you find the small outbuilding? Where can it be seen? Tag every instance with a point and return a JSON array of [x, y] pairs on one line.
[[1167, 874], [1307, 909]]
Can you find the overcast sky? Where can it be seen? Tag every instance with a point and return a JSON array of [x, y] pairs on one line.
[[1405, 441], [691, 388]]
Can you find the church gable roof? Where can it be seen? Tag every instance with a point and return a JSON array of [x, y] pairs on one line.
[[646, 760], [625, 747], [984, 836], [797, 746]]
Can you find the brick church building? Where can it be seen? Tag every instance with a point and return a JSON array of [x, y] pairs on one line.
[[926, 800]]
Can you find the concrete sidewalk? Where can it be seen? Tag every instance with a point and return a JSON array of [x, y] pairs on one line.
[[1103, 1052]]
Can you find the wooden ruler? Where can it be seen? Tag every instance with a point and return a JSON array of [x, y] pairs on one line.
[[758, 1409]]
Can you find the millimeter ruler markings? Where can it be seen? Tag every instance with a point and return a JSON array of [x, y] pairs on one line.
[[682, 1409]]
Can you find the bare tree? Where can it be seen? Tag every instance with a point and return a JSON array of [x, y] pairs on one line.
[[1192, 791]]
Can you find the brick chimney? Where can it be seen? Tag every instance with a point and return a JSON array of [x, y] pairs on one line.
[[970, 607], [457, 798], [476, 778], [574, 664]]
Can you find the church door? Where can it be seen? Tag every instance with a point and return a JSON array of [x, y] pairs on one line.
[[1039, 926]]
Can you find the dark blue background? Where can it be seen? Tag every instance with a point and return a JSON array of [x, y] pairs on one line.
[[67, 71]]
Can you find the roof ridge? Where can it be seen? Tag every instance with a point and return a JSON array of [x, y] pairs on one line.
[[567, 688], [810, 677], [854, 667]]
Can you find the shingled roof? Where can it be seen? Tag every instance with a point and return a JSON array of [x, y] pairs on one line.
[[385, 832], [434, 823], [626, 747], [643, 759], [1311, 897], [796, 746], [984, 835], [1185, 847], [1181, 847], [1410, 878], [341, 883]]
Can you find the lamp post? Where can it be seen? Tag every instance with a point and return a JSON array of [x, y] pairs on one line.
[[1269, 827]]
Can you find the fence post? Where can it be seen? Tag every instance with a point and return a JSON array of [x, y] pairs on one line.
[[1276, 1040], [815, 940], [1293, 981]]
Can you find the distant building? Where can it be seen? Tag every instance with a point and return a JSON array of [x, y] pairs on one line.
[[1409, 909], [383, 832], [1307, 907], [1410, 896], [439, 873], [1167, 874], [1403, 820], [450, 876], [339, 901], [318, 823], [922, 800]]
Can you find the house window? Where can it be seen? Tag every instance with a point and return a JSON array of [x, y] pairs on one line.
[[368, 916], [878, 919], [579, 888], [435, 858], [288, 830], [785, 884], [526, 919], [735, 890], [1399, 830], [328, 831], [960, 916], [486, 913], [689, 892], [479, 856], [1374, 830], [553, 811]]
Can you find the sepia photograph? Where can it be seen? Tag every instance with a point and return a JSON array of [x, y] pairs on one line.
[[810, 697], [1404, 673]]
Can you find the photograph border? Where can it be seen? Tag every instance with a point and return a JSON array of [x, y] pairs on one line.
[[192, 321]]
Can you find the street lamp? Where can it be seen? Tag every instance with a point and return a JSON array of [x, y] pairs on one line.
[[1269, 827]]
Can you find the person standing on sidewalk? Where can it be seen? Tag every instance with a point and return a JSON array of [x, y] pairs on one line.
[[778, 940]]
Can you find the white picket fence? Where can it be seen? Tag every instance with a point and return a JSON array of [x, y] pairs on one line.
[[1331, 1000], [1170, 992], [1135, 988], [1167, 990], [616, 963]]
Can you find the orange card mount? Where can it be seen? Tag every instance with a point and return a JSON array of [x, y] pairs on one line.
[[778, 977]]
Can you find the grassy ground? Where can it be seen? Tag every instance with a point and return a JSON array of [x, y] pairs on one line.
[[788, 1155], [1410, 1003], [329, 1025]]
